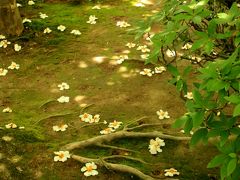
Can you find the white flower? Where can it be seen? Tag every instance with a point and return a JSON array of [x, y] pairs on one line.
[[90, 169], [3, 72], [130, 45], [162, 115], [43, 16], [171, 172], [96, 7], [30, 3], [11, 125], [195, 58], [170, 53], [62, 127], [26, 20], [144, 56], [76, 32], [63, 86], [61, 156], [86, 117], [143, 48], [191, 132], [115, 124], [160, 69], [19, 5], [7, 110], [187, 46], [7, 138], [147, 72], [21, 127], [2, 36], [14, 66], [121, 59], [122, 24], [107, 131], [92, 19], [47, 31], [17, 47], [61, 28], [189, 95], [96, 118], [4, 43], [63, 99], [105, 122], [155, 145]]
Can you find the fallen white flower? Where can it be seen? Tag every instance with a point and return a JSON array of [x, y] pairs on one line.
[[11, 125], [146, 72], [170, 53], [61, 156], [162, 115], [160, 69], [2, 36], [189, 95], [63, 99], [26, 20], [43, 16], [17, 47], [63, 86], [14, 66], [4, 43], [7, 110], [76, 32], [171, 172], [30, 3], [3, 72], [61, 28], [62, 127], [90, 169], [47, 31]]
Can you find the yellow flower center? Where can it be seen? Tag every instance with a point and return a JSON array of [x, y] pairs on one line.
[[61, 155], [89, 168]]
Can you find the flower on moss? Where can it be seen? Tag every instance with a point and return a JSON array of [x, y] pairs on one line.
[[47, 31], [63, 99], [143, 48], [92, 19], [187, 46], [160, 69], [122, 24], [170, 53], [115, 124], [171, 172], [61, 28], [76, 32], [2, 36], [121, 59], [4, 43], [155, 145], [144, 56], [17, 47], [162, 114], [26, 20], [11, 126], [43, 16], [61, 156], [30, 3], [189, 95], [107, 131], [7, 110], [61, 127], [146, 72], [63, 86], [86, 117], [3, 72], [96, 118], [14, 65], [130, 45], [90, 169]]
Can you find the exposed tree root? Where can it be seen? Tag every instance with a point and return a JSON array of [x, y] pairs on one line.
[[95, 141], [112, 166], [126, 132]]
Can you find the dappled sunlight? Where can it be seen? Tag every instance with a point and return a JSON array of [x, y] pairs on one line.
[[122, 69], [99, 59], [126, 51], [79, 98], [82, 64], [110, 83]]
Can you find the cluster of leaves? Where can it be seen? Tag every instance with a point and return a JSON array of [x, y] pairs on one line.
[[213, 29]]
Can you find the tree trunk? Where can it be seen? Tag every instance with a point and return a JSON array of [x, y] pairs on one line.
[[10, 19]]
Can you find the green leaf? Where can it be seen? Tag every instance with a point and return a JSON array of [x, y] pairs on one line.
[[236, 111], [198, 135], [197, 118], [173, 70], [231, 166], [180, 122], [217, 161], [223, 137], [233, 98], [197, 19]]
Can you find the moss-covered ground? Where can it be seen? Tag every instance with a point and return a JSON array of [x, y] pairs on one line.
[[113, 91]]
